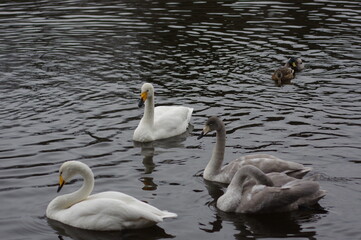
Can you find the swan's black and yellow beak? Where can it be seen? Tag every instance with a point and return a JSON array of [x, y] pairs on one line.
[[142, 99], [294, 64], [205, 130], [61, 183]]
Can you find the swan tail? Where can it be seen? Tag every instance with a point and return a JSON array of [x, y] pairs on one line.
[[313, 199], [189, 114], [167, 214], [298, 173]]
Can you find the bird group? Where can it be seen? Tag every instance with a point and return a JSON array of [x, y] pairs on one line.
[[258, 183]]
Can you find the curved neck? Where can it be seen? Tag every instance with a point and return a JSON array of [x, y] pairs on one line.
[[215, 164], [252, 172], [67, 200], [148, 117]]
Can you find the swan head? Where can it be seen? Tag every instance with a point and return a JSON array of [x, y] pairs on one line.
[[68, 170], [213, 124], [295, 63], [147, 91]]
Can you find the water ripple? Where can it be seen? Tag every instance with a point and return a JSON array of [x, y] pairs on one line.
[[70, 79]]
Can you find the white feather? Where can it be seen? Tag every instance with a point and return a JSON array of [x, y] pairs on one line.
[[103, 211]]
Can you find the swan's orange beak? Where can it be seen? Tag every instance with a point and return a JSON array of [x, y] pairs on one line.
[[142, 99], [61, 183], [205, 130]]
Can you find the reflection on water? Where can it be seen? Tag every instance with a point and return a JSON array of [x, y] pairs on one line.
[[148, 163], [70, 74], [80, 234], [275, 225]]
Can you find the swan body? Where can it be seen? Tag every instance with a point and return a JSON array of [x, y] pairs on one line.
[[105, 211], [267, 163], [160, 122], [260, 194]]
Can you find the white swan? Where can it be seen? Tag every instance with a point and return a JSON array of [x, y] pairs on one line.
[[105, 211], [267, 163], [261, 195], [160, 122]]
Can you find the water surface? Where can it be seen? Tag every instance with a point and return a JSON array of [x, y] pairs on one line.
[[70, 77]]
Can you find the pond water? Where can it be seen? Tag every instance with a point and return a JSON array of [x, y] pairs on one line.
[[70, 78]]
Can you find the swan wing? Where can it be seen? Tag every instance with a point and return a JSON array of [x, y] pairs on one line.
[[288, 197], [269, 163], [132, 201], [171, 121], [265, 162], [105, 214]]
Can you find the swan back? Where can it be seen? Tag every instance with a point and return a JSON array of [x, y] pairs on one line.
[[269, 163], [252, 191]]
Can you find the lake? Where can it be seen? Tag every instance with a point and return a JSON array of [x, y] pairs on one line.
[[70, 78]]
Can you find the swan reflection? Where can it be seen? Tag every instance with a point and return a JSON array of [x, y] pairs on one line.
[[147, 149], [63, 230]]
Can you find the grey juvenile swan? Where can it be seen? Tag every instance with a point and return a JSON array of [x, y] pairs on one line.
[[265, 162], [261, 194]]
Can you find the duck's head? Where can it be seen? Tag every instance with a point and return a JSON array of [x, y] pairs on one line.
[[295, 63], [147, 91], [212, 124]]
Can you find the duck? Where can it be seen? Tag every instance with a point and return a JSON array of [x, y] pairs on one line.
[[252, 191], [104, 211], [160, 122], [295, 63], [215, 172], [283, 75], [286, 73]]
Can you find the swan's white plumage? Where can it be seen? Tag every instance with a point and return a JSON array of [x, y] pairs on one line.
[[214, 170], [160, 122], [102, 211], [252, 191]]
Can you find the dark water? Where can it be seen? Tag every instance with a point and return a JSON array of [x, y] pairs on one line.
[[70, 77]]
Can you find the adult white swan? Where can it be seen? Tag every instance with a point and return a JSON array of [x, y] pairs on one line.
[[267, 163], [160, 122], [261, 194], [105, 211]]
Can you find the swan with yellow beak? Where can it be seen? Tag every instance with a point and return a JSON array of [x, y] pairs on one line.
[[160, 122]]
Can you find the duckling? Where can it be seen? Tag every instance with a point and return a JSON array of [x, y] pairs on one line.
[[295, 63], [283, 75]]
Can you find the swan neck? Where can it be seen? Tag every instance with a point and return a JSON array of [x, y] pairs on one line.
[[149, 111], [251, 172], [217, 158], [67, 200]]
